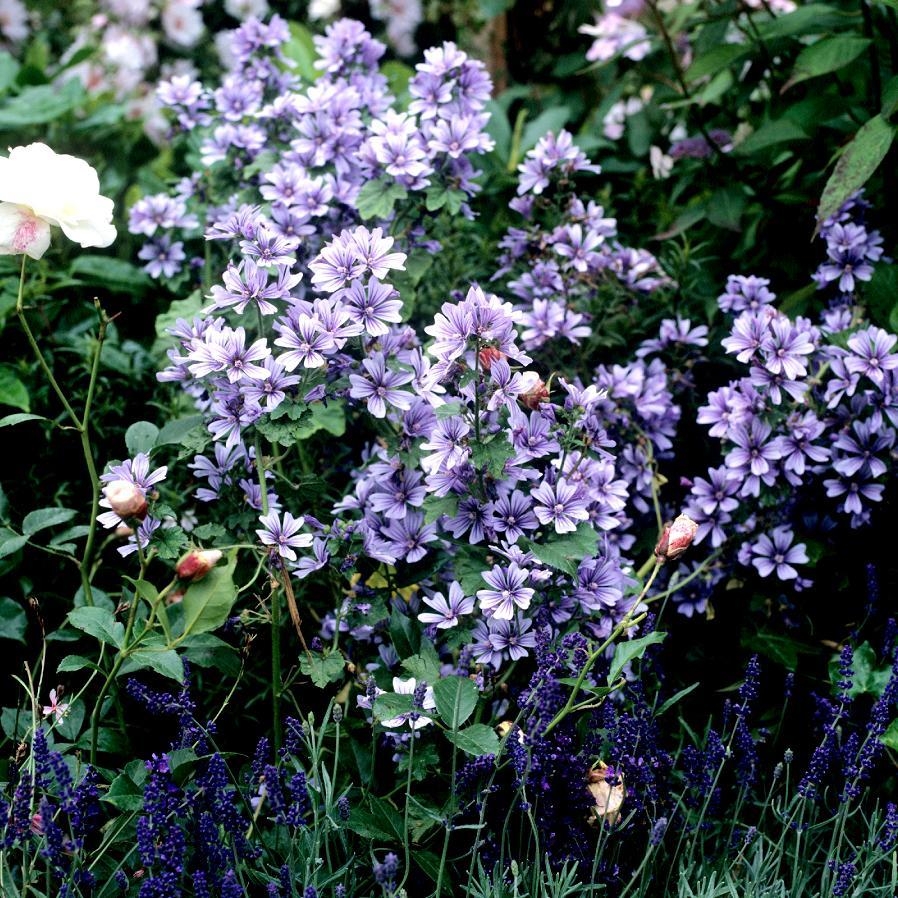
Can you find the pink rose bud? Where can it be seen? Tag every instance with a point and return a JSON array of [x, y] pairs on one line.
[[197, 563], [126, 499], [488, 355], [676, 538], [535, 395]]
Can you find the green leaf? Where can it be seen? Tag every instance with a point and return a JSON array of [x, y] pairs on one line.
[[824, 57], [425, 665], [380, 820], [175, 431], [377, 198], [69, 727], [15, 723], [330, 418], [186, 308], [300, 49], [816, 18], [10, 541], [141, 437], [42, 518], [715, 59], [492, 455], [782, 649], [868, 676], [206, 650], [436, 506], [675, 698], [477, 739], [553, 120], [72, 663], [456, 698], [770, 134], [13, 620], [391, 704], [123, 793], [858, 162], [564, 552], [12, 420], [207, 604], [117, 275], [167, 662], [323, 668], [489, 9], [41, 104], [99, 623], [406, 637], [630, 650], [12, 391], [725, 207], [9, 69]]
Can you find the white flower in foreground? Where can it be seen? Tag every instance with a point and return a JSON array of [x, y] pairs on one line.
[[40, 188]]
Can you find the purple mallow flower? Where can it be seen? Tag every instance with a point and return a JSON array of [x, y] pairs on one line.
[[282, 535], [777, 552], [507, 591], [446, 611]]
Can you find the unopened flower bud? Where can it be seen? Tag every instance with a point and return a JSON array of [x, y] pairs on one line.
[[535, 395], [488, 355], [607, 790], [126, 499], [676, 538], [197, 563]]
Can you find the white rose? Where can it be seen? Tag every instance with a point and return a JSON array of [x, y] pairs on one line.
[[37, 184]]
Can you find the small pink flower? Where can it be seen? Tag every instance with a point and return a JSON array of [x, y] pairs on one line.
[[56, 706]]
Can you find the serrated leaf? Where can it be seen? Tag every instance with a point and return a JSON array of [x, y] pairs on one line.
[[477, 739], [491, 456], [856, 165], [425, 665], [456, 698], [13, 620], [42, 518], [323, 668], [99, 623], [167, 662], [391, 704], [141, 437], [436, 506], [564, 552], [377, 198], [630, 650]]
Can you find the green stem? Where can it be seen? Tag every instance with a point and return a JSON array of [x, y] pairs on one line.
[[110, 678], [628, 620], [80, 424], [406, 846], [275, 613]]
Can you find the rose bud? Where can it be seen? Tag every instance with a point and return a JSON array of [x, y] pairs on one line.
[[197, 563], [126, 499], [488, 355], [676, 538], [608, 796], [536, 394]]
